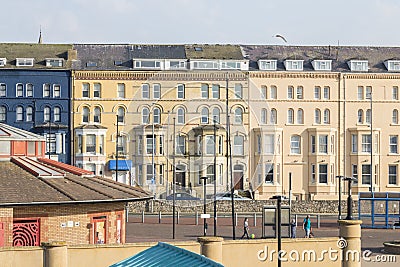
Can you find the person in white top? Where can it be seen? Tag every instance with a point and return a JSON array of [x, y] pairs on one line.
[[245, 228]]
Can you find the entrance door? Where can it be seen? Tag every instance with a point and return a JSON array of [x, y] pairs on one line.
[[99, 228], [238, 177], [180, 173], [26, 233]]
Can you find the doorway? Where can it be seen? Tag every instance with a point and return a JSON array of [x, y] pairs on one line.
[[238, 177]]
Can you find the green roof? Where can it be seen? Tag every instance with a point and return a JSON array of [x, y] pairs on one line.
[[167, 255], [39, 52]]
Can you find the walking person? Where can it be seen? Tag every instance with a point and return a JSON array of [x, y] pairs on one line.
[[293, 226], [245, 228], [307, 226]]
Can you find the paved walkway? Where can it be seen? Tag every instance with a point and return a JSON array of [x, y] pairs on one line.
[[151, 230]]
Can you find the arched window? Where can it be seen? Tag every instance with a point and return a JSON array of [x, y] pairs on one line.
[[145, 115], [215, 115], [360, 116], [290, 92], [264, 115], [274, 116], [273, 92], [156, 116], [57, 114], [368, 116], [85, 114], [327, 116], [121, 114], [29, 90], [238, 116], [20, 90], [97, 115], [204, 115], [317, 116], [395, 116], [290, 116], [3, 113], [180, 115], [20, 113], [29, 113], [300, 116]]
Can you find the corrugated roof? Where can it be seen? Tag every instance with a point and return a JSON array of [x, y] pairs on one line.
[[166, 255], [8, 132]]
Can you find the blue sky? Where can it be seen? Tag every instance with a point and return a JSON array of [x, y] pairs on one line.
[[302, 22]]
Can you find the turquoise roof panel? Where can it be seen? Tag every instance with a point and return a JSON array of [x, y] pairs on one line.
[[166, 255]]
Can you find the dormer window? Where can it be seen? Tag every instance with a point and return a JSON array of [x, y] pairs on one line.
[[293, 64], [24, 62], [177, 64], [267, 64], [322, 64], [358, 65], [230, 65], [54, 62], [147, 64], [91, 64], [392, 65], [3, 62]]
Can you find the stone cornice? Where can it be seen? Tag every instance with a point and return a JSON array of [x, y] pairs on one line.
[[388, 76], [160, 76]]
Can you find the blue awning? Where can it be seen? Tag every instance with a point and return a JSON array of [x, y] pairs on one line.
[[123, 165]]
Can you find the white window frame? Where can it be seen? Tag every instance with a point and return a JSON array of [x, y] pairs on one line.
[[358, 65], [267, 64], [295, 144], [24, 62], [294, 64], [322, 65]]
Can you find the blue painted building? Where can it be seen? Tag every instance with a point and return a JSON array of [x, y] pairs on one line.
[[35, 93]]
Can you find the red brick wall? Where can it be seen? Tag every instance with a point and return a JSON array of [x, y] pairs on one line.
[[6, 217], [54, 220]]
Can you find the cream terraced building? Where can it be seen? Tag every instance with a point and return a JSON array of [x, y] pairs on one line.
[[295, 113]]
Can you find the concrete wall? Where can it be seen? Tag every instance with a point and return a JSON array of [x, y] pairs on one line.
[[234, 253]]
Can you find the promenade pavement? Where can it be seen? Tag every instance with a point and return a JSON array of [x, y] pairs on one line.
[[153, 231]]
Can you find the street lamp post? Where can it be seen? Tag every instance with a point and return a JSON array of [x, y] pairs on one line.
[[371, 189], [116, 151], [205, 202], [215, 178]]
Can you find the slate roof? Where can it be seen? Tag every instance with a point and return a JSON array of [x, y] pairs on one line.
[[39, 52], [119, 56], [19, 186], [340, 55], [8, 132], [206, 51], [166, 255]]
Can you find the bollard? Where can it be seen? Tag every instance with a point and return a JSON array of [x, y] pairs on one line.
[[350, 233], [159, 217], [255, 219], [177, 217], [142, 216], [197, 218], [318, 221]]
